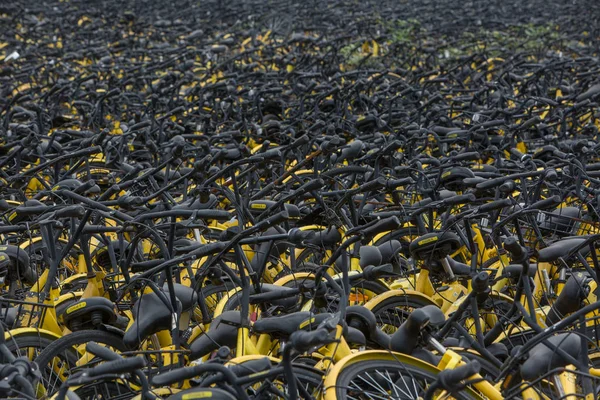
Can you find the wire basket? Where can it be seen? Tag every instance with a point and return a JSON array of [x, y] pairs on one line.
[[21, 314], [541, 227]]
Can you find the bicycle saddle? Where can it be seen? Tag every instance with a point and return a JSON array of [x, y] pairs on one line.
[[223, 332], [326, 238], [151, 315], [543, 359], [202, 392], [185, 294], [283, 325], [434, 246], [561, 248], [514, 270]]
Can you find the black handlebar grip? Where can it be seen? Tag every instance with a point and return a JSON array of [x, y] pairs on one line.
[[495, 205], [26, 141], [234, 154], [530, 122], [129, 201], [90, 151], [270, 154], [352, 151], [508, 186], [480, 282], [491, 183], [266, 297], [517, 252], [546, 203], [97, 229], [31, 210], [371, 185], [392, 184], [85, 186], [74, 211], [274, 220], [12, 228], [371, 272], [144, 266], [113, 92], [219, 215], [4, 206], [302, 140], [387, 224], [591, 92], [140, 125], [515, 153], [120, 366], [250, 366], [472, 155], [101, 351], [559, 154], [128, 168], [302, 341], [443, 130], [330, 145], [393, 146], [298, 236], [415, 213], [461, 199], [314, 184], [494, 122], [100, 137], [201, 165], [518, 154], [430, 160], [209, 249], [580, 104], [177, 375], [551, 175]]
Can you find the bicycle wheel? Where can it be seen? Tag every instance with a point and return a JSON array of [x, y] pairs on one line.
[[61, 359], [404, 235], [390, 312], [489, 314], [308, 380], [309, 257], [211, 295], [345, 177], [99, 390], [379, 375], [28, 344], [360, 292], [488, 369]]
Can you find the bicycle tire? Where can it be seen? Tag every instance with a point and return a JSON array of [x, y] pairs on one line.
[[22, 343], [63, 351], [361, 291], [310, 378], [405, 302], [117, 391], [206, 294], [408, 379]]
